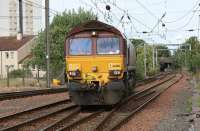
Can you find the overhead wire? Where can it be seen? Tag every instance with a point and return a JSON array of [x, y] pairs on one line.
[[37, 5], [86, 4], [91, 6], [186, 14], [121, 20], [106, 16], [152, 14], [135, 19], [122, 17], [186, 24], [132, 17], [159, 21], [149, 11]]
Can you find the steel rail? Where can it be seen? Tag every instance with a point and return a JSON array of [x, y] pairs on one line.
[[21, 94], [100, 125], [61, 126], [34, 109], [78, 122], [22, 124], [52, 126], [151, 79], [123, 121], [138, 108], [65, 107]]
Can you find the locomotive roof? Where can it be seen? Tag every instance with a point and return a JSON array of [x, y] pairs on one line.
[[94, 25]]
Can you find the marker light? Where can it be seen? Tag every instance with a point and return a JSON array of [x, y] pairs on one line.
[[114, 72], [94, 33]]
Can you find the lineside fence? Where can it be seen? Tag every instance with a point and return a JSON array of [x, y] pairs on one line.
[[23, 78], [29, 78]]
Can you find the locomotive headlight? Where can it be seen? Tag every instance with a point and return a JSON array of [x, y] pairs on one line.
[[115, 72], [74, 73]]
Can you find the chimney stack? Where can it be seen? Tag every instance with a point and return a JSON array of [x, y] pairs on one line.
[[19, 36]]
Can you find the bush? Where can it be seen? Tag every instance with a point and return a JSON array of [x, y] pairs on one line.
[[19, 73]]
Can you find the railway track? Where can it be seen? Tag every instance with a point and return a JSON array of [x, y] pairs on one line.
[[111, 120], [133, 104], [64, 115], [70, 122], [21, 94], [74, 122], [34, 115], [151, 79]]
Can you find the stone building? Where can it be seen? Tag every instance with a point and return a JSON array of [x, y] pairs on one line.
[[13, 51]]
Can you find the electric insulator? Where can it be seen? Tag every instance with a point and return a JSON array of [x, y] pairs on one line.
[[122, 18], [163, 25], [108, 7]]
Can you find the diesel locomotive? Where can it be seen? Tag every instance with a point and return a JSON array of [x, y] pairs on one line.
[[100, 64]]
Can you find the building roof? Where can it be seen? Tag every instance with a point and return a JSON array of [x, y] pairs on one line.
[[29, 56], [94, 25], [11, 43]]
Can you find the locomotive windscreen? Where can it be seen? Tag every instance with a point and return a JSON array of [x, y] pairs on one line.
[[108, 45], [80, 46]]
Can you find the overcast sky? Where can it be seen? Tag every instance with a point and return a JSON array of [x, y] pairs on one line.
[[180, 15]]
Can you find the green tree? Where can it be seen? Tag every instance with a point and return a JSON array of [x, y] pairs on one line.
[[191, 58], [139, 44], [164, 52], [59, 28]]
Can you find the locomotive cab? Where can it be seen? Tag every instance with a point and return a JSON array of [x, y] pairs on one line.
[[99, 64]]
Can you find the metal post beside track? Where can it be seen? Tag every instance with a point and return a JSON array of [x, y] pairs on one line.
[[47, 42], [145, 62]]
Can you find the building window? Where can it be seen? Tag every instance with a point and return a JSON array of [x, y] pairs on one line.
[[11, 67], [12, 55], [7, 55]]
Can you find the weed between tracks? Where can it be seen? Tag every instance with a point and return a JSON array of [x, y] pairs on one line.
[[189, 105]]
